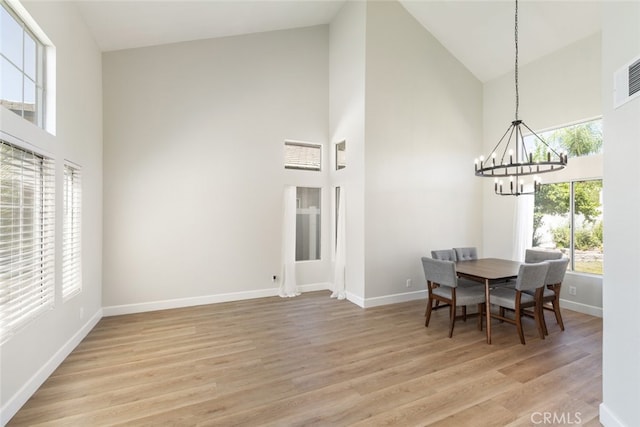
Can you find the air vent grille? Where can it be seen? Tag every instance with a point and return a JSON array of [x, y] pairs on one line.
[[634, 78], [626, 83]]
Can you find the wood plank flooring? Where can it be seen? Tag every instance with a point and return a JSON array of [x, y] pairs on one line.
[[312, 360]]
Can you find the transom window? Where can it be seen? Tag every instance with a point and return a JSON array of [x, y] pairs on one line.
[[302, 155], [582, 139], [21, 68]]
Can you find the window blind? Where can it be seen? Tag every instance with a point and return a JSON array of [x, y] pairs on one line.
[[299, 155], [71, 251], [27, 236]]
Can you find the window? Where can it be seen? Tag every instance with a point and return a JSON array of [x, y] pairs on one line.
[[302, 155], [336, 213], [341, 151], [22, 68], [27, 224], [568, 216], [71, 266], [581, 139], [307, 224]]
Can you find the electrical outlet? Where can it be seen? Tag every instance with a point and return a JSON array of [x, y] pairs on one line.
[[409, 283], [572, 290]]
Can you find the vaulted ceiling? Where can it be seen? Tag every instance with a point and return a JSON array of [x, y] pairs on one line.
[[479, 33]]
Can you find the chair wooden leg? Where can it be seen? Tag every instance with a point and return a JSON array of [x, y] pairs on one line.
[[428, 312], [539, 317], [543, 320], [519, 325], [464, 313], [452, 320], [556, 310]]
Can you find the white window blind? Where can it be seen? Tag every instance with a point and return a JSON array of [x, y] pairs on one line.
[[302, 155], [71, 265], [27, 236]]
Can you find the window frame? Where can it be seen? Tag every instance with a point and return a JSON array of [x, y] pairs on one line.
[[40, 113]]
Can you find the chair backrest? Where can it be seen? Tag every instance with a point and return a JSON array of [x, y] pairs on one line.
[[557, 269], [444, 255], [532, 276], [465, 254], [538, 255], [440, 271]]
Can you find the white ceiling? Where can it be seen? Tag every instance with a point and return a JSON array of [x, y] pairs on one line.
[[480, 33]]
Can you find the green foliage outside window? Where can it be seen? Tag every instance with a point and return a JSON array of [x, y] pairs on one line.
[[554, 200]]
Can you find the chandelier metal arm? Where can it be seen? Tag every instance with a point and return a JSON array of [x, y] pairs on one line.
[[521, 162], [510, 128], [542, 140]]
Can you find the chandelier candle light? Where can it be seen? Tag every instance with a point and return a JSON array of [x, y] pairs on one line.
[[515, 162]]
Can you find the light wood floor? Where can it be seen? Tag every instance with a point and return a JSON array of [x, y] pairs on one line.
[[312, 360]]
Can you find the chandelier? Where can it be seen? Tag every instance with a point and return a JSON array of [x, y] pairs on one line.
[[512, 161]]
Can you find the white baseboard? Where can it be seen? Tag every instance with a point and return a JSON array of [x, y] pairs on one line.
[[355, 299], [394, 298], [581, 308], [11, 407], [387, 299], [118, 310], [607, 418], [422, 294]]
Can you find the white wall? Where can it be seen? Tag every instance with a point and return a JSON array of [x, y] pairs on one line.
[[347, 95], [559, 89], [621, 341], [34, 352], [194, 174], [423, 128]]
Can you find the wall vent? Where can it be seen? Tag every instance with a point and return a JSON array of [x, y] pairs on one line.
[[626, 83]]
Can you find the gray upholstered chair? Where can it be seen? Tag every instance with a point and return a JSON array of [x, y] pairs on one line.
[[450, 255], [442, 286], [531, 277], [539, 255], [444, 255], [536, 255], [466, 254], [551, 294]]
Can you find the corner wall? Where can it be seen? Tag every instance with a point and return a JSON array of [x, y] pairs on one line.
[[621, 340], [347, 122], [423, 127], [194, 137], [33, 353]]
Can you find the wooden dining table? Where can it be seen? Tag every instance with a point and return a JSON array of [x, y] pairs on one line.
[[488, 271]]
